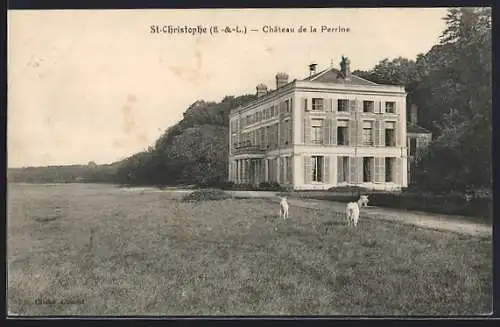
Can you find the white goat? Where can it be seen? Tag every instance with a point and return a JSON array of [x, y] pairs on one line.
[[352, 210], [284, 208], [364, 200]]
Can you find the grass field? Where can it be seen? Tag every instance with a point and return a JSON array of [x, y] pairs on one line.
[[151, 254]]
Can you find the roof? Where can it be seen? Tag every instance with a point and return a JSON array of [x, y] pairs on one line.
[[332, 75], [415, 129]]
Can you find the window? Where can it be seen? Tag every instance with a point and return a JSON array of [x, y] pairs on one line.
[[343, 169], [368, 106], [287, 130], [262, 137], [268, 136], [317, 131], [286, 106], [317, 168], [390, 107], [389, 134], [368, 133], [289, 172], [276, 139], [317, 104], [413, 146], [389, 168], [343, 105], [368, 163], [342, 132]]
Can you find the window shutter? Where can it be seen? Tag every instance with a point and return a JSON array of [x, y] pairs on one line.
[[382, 132], [333, 132], [360, 132], [381, 105], [382, 169], [352, 132], [326, 170], [281, 169], [353, 105], [334, 105], [328, 104], [276, 135], [340, 169], [397, 134], [378, 172], [376, 135], [305, 104], [327, 131], [307, 169], [359, 169], [282, 132], [352, 170], [307, 131], [397, 171]]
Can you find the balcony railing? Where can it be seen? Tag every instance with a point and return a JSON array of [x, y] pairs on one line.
[[249, 149]]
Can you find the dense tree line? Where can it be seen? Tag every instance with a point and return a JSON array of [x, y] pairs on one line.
[[194, 151], [90, 173], [451, 84]]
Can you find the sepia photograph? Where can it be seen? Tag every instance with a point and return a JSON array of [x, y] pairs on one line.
[[249, 162]]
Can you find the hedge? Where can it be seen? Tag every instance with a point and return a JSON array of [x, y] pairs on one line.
[[441, 204]]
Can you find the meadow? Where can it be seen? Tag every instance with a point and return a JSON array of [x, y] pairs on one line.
[[83, 249]]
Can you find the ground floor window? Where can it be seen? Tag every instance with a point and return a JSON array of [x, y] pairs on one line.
[[343, 169], [389, 169], [317, 168], [368, 163]]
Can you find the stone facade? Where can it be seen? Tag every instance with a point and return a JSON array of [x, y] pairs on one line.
[[332, 128]]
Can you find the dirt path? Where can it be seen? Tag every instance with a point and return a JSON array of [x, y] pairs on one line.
[[456, 224]]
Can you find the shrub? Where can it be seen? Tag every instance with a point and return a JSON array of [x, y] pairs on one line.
[[206, 195], [226, 186], [270, 186], [451, 204]]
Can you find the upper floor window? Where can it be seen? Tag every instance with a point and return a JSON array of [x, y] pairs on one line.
[[389, 134], [343, 105], [367, 133], [317, 131], [390, 107], [368, 106], [287, 106], [318, 104], [342, 132], [413, 146]]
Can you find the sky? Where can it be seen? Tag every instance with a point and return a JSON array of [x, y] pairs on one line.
[[97, 85]]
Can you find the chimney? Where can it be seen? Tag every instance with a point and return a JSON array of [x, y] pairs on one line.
[[312, 69], [345, 67], [281, 80], [261, 90], [414, 114]]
